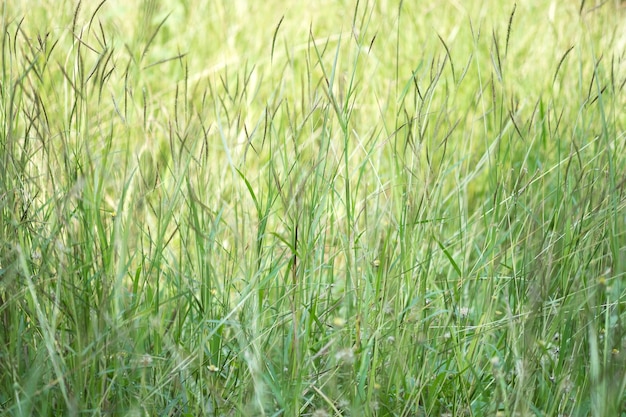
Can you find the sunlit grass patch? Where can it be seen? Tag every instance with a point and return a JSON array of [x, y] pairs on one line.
[[279, 209]]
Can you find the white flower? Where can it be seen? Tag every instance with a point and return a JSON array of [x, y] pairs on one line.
[[345, 356]]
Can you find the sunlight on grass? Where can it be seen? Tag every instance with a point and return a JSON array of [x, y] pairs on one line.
[[344, 208]]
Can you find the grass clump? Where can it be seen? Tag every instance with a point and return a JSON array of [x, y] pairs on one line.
[[356, 209]]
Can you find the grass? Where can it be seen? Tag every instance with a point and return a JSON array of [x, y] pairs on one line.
[[347, 208]]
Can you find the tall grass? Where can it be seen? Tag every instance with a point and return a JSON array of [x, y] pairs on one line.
[[232, 208]]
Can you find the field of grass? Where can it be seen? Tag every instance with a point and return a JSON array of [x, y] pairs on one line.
[[340, 208]]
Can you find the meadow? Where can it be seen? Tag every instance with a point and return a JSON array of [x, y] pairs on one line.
[[332, 208]]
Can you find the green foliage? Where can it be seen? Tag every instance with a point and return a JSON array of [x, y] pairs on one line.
[[343, 208]]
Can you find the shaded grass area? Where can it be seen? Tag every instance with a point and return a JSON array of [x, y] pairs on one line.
[[356, 209]]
